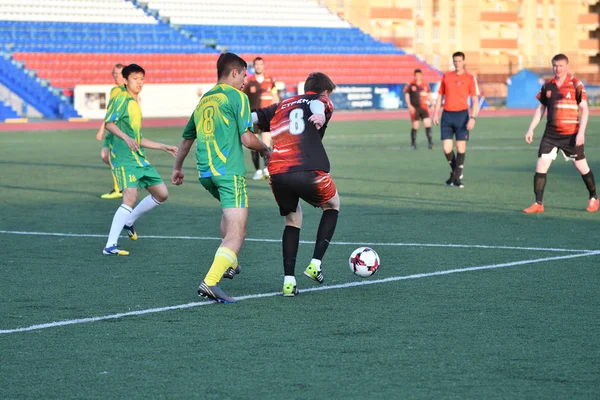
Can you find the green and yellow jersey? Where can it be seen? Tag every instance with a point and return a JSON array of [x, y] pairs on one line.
[[114, 92], [221, 117], [126, 113]]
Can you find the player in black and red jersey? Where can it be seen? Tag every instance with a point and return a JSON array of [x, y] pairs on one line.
[[417, 95], [566, 101], [299, 169], [261, 91]]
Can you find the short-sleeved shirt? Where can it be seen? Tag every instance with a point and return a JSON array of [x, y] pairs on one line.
[[297, 143], [260, 93], [114, 92], [563, 105], [418, 94], [457, 89], [220, 119], [126, 113]]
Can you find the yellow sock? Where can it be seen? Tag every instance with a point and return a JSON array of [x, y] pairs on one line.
[[115, 184], [224, 258]]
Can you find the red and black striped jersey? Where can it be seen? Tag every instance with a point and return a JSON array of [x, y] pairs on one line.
[[563, 105], [260, 94], [297, 143]]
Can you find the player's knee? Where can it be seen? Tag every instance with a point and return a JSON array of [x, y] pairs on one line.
[[161, 196]]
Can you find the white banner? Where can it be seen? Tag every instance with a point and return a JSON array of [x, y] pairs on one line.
[[156, 100]]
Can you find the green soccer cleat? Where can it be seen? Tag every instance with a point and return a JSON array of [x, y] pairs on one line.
[[290, 290], [313, 273], [130, 232]]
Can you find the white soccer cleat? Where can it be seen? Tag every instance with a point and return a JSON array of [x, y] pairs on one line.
[[258, 175]]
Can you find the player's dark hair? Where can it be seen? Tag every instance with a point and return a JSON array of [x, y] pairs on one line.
[[560, 57], [119, 66], [227, 62], [418, 71], [459, 54], [130, 69], [257, 59], [318, 82]]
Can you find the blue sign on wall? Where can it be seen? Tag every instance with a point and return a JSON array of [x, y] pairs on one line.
[[354, 97]]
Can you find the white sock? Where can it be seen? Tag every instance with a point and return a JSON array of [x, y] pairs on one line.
[[289, 279], [123, 212], [147, 204], [317, 263]]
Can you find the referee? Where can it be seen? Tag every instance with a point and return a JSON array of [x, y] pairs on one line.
[[455, 90]]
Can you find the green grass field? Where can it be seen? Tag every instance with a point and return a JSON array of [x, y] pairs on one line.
[[524, 325]]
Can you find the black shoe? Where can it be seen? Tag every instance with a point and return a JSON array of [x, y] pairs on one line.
[[431, 146], [231, 272], [450, 180], [458, 184]]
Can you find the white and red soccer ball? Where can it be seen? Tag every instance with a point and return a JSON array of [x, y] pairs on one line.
[[364, 262]]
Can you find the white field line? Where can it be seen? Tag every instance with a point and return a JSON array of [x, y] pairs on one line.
[[313, 289], [373, 244]]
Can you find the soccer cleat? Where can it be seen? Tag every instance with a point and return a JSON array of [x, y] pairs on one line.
[[266, 174], [534, 208], [431, 146], [592, 204], [413, 146], [114, 251], [290, 290], [458, 184], [258, 175], [113, 194], [231, 272], [450, 180], [313, 273], [130, 232], [214, 293]]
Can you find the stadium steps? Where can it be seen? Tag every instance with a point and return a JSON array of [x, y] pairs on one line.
[[65, 70], [6, 112], [34, 91]]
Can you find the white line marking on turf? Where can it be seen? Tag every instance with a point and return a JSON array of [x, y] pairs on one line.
[[313, 289], [467, 246]]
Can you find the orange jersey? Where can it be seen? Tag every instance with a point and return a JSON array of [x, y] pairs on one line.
[[563, 105], [260, 93], [418, 94], [457, 89]]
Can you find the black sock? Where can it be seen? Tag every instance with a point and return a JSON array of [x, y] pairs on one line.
[[460, 162], [590, 183], [413, 136], [325, 232], [451, 160], [539, 183], [290, 241], [255, 159], [428, 134]]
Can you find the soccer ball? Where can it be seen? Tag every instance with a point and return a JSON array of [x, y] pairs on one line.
[[364, 262]]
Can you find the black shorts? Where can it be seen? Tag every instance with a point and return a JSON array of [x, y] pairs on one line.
[[420, 113], [550, 145], [454, 125], [314, 187]]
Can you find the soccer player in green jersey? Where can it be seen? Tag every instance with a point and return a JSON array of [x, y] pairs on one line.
[[128, 161], [221, 123], [104, 153]]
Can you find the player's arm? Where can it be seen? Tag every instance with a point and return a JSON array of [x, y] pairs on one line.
[[474, 112], [189, 136], [411, 109], [250, 141], [584, 114], [262, 117], [114, 129], [149, 144], [537, 117], [318, 118], [100, 133]]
